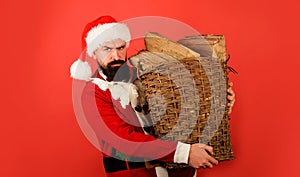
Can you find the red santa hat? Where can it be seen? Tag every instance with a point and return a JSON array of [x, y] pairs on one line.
[[95, 33]]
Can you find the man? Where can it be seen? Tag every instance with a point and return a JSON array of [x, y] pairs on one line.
[[121, 138]]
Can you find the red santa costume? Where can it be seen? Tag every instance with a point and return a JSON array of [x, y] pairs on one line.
[[123, 142]]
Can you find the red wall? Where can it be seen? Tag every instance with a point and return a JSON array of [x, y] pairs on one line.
[[39, 40]]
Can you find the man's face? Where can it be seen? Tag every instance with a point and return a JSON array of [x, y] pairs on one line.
[[110, 56], [111, 53]]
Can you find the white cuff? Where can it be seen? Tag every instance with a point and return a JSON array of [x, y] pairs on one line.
[[161, 172], [182, 153]]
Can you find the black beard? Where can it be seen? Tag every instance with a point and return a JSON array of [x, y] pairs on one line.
[[111, 71]]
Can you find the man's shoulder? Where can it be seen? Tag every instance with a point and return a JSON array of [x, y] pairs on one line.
[[92, 89], [90, 86]]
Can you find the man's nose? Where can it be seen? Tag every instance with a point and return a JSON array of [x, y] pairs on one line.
[[116, 54]]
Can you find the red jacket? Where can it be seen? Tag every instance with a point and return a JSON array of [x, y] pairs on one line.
[[118, 128]]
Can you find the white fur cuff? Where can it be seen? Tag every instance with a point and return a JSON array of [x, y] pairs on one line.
[[182, 153]]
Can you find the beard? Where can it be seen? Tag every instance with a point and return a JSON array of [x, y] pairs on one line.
[[112, 72]]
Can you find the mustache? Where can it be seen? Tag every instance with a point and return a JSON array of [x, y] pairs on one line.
[[115, 62]]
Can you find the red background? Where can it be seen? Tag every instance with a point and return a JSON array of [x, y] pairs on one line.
[[39, 40]]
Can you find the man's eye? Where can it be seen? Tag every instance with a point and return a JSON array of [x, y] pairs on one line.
[[107, 49], [121, 48]]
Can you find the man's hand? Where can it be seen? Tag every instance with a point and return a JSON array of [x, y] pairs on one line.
[[230, 97], [198, 156]]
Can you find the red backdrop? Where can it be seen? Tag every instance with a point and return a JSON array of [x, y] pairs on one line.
[[39, 40]]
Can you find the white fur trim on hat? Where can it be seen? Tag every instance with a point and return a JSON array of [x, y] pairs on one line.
[[81, 70], [106, 32]]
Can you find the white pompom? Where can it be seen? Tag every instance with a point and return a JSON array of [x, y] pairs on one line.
[[81, 70]]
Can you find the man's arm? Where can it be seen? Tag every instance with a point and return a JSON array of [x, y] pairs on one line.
[[110, 127], [134, 143], [230, 97]]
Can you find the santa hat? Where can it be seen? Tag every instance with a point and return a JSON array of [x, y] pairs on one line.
[[95, 33]]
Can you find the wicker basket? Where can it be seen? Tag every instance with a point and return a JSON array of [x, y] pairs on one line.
[[185, 84]]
